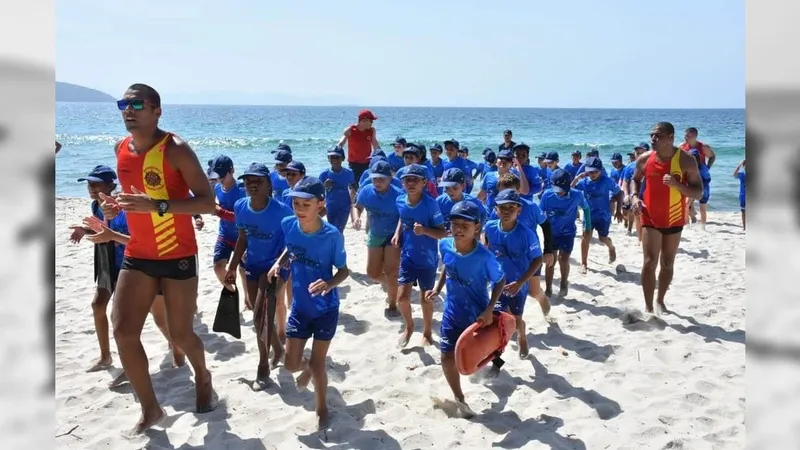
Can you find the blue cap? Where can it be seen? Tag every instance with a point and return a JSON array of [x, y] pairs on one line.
[[255, 170], [282, 146], [490, 157], [643, 145], [412, 149], [560, 180], [296, 166], [508, 196], [414, 170], [506, 154], [466, 210], [487, 150], [381, 169], [452, 142], [593, 164], [521, 146], [437, 147], [399, 140], [221, 165], [282, 157], [336, 151], [452, 177], [593, 152], [616, 157], [376, 159], [576, 153], [377, 153], [694, 152], [463, 150], [100, 174], [308, 187], [551, 157], [542, 156]]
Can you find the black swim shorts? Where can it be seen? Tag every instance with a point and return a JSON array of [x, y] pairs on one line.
[[173, 269], [666, 231]]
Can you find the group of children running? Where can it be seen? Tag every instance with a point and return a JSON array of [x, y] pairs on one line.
[[281, 231]]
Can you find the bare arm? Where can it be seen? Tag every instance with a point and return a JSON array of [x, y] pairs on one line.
[[710, 154], [694, 185], [375, 144], [435, 233], [339, 277], [738, 169], [345, 135], [440, 283], [184, 159], [482, 195], [238, 251], [497, 291], [638, 174], [524, 185]]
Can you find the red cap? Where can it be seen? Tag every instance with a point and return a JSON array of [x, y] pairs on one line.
[[366, 114]]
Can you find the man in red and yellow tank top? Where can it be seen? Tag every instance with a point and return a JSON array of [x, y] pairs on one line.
[[361, 139], [670, 176], [157, 170]]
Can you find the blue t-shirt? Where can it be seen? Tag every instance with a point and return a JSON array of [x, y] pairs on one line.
[[597, 194], [381, 209], [742, 183], [562, 212], [627, 175], [395, 161], [428, 173], [489, 185], [367, 181], [418, 250], [279, 185], [118, 224], [265, 240], [572, 169], [465, 165], [544, 174], [534, 181], [616, 174], [338, 196], [582, 169], [446, 205], [227, 200], [438, 169], [705, 173], [531, 215], [286, 200], [514, 249], [467, 282], [313, 257]]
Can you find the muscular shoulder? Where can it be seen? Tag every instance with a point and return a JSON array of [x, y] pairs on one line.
[[687, 161]]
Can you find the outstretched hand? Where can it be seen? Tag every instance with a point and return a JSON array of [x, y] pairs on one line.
[[136, 202]]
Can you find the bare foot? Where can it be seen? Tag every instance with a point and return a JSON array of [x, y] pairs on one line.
[[523, 346], [427, 340], [548, 291], [612, 254], [119, 380], [545, 306], [583, 269], [103, 363], [147, 420], [322, 418], [463, 410], [662, 308], [262, 373], [563, 289], [392, 311], [204, 393], [303, 380], [276, 357], [178, 358], [402, 341]]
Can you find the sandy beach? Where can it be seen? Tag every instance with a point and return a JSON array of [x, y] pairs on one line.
[[593, 381]]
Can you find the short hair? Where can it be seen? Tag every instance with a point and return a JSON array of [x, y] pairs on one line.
[[508, 181], [508, 132], [149, 94], [666, 126], [692, 130]]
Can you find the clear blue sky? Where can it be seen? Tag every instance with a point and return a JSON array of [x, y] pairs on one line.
[[579, 53]]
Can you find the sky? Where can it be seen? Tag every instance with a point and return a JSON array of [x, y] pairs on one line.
[[572, 54]]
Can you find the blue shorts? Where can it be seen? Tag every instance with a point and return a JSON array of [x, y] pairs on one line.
[[254, 273], [302, 326], [741, 201], [601, 225], [338, 217], [408, 274], [513, 305], [448, 336], [706, 192], [563, 244], [223, 250]]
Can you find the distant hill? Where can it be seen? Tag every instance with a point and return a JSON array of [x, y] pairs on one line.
[[68, 92]]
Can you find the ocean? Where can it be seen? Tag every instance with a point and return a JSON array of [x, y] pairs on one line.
[[88, 132]]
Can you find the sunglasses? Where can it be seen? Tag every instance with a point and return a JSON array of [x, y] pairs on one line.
[[135, 103]]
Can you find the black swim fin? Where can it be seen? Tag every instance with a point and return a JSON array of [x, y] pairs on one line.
[[227, 317]]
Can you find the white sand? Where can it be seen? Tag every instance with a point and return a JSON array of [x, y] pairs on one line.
[[591, 383]]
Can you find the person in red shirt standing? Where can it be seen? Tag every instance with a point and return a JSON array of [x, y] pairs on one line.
[[361, 140], [671, 176], [707, 156], [163, 185]]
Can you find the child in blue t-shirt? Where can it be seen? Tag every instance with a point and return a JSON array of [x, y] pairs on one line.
[[380, 201], [421, 224], [561, 205], [468, 268], [340, 189], [314, 248], [740, 174], [454, 182], [597, 189], [258, 219], [705, 177]]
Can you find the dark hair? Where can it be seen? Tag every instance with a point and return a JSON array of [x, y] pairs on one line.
[[692, 130], [666, 126], [148, 93], [508, 132], [508, 181]]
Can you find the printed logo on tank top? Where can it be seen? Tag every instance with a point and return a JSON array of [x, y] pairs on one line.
[[153, 177]]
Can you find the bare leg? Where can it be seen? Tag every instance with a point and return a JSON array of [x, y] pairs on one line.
[[563, 265], [99, 306], [703, 214], [536, 292], [391, 264], [281, 311], [637, 221], [180, 297], [454, 381], [522, 337], [427, 318], [744, 220], [585, 240], [319, 351], [669, 248], [259, 316], [404, 301], [549, 272], [159, 312], [651, 239], [612, 252], [135, 292]]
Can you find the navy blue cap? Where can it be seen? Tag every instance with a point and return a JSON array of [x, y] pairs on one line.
[[399, 140], [282, 157], [222, 165], [282, 146], [381, 169], [466, 210], [593, 152], [437, 147], [308, 187], [508, 196], [376, 153], [255, 170], [643, 145], [452, 177], [542, 155], [616, 157], [506, 154], [521, 146], [452, 142], [487, 150], [412, 149], [100, 174], [336, 151], [632, 154], [463, 150], [593, 164], [551, 157], [576, 153], [490, 156], [414, 170], [296, 166], [560, 180], [376, 159]]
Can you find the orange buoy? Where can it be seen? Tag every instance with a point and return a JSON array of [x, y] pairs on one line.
[[478, 345]]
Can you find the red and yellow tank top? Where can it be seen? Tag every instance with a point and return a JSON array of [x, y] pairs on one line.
[[359, 145], [152, 236], [699, 146], [664, 207]]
